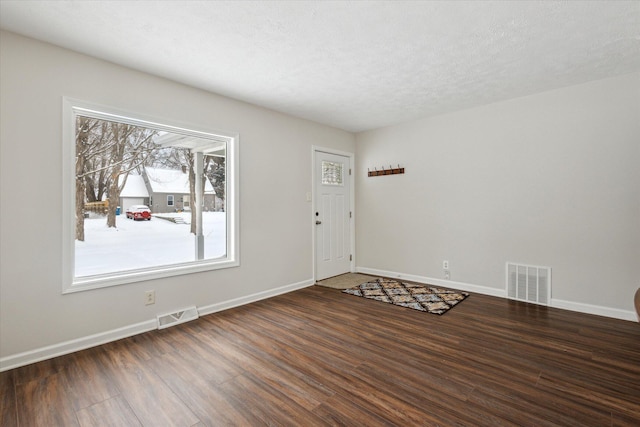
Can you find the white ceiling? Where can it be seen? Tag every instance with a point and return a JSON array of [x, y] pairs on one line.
[[353, 65]]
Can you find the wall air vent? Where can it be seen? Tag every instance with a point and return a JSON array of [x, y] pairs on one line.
[[529, 283], [172, 319]]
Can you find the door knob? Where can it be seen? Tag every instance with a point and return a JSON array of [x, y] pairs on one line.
[[318, 222]]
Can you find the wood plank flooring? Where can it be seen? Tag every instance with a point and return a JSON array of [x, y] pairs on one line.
[[319, 357]]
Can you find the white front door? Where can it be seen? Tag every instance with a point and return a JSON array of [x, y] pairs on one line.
[[332, 215]]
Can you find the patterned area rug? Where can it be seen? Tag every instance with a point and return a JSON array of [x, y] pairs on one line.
[[424, 298]]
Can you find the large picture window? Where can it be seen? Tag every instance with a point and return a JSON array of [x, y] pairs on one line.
[[128, 184]]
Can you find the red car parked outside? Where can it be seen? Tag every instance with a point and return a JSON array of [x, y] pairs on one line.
[[139, 212]]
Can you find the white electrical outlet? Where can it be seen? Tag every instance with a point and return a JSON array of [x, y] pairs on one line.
[[447, 275], [445, 265], [149, 297]]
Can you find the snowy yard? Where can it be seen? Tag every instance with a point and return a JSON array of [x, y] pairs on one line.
[[142, 244]]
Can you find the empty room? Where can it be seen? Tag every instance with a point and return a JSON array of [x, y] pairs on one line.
[[314, 213]]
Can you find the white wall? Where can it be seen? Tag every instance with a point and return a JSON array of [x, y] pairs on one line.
[[551, 179], [275, 218]]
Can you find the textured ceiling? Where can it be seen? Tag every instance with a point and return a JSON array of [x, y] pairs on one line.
[[352, 65]]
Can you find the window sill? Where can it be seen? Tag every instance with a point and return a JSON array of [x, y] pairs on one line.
[[101, 281]]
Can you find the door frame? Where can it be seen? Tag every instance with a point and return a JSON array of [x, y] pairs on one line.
[[352, 206]]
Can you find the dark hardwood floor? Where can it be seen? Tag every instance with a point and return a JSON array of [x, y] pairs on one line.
[[321, 357]]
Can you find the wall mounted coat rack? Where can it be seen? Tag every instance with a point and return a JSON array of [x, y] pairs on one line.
[[383, 171]]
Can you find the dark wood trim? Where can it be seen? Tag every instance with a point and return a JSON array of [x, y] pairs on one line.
[[320, 357]]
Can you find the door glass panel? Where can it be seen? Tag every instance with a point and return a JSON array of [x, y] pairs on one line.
[[332, 173]]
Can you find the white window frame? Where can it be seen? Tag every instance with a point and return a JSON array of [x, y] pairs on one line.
[[170, 200], [71, 109]]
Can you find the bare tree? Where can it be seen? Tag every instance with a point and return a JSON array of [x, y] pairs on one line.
[[84, 128], [179, 158], [190, 165], [104, 152], [215, 171], [131, 143], [96, 181]]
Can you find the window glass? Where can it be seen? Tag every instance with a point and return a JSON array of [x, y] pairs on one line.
[[132, 214]]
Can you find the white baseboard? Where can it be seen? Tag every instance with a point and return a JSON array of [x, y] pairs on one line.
[[598, 310], [60, 349], [614, 313], [461, 286], [225, 305]]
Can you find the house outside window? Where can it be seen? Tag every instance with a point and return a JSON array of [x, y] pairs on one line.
[[120, 162]]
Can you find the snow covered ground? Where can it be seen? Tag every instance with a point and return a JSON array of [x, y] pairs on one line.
[[143, 244]]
